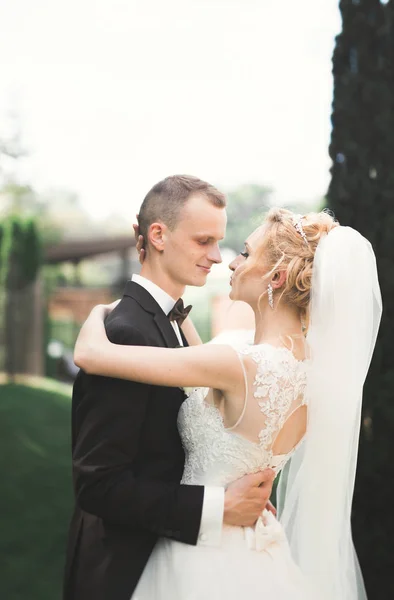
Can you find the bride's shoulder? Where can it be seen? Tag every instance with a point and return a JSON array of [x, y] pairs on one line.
[[270, 355]]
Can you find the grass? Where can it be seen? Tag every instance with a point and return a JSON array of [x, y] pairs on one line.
[[36, 491]]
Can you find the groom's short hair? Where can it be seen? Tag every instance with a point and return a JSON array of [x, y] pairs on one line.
[[165, 200]]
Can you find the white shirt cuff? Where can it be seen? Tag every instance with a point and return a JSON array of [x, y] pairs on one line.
[[210, 533]]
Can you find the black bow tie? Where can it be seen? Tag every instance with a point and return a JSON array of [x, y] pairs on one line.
[[179, 312]]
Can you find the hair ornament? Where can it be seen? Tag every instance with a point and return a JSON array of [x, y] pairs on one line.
[[297, 222]]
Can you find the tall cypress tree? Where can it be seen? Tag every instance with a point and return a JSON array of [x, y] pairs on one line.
[[361, 194], [20, 259], [5, 246]]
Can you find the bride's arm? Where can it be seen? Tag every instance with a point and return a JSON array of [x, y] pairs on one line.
[[191, 333], [205, 365]]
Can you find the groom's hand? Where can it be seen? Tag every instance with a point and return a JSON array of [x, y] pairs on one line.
[[246, 498]]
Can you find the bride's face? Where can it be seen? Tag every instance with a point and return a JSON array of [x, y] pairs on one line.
[[246, 281]]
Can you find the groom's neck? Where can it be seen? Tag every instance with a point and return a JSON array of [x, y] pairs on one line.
[[157, 275]]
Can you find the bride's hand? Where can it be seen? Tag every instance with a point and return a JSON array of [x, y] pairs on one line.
[[92, 336], [269, 506], [109, 307], [139, 241]]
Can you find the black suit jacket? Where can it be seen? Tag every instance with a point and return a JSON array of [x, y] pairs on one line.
[[127, 464]]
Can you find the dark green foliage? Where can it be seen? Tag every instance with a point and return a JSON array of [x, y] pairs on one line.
[[361, 194], [32, 252], [5, 250], [36, 492], [20, 260], [26, 202], [21, 253]]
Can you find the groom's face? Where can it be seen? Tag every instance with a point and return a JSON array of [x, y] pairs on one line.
[[192, 247]]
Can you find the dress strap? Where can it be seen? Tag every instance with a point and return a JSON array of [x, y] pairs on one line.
[[246, 394]]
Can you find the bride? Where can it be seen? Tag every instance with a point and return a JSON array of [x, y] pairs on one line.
[[294, 394]]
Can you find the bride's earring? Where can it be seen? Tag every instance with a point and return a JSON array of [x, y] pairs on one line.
[[303, 326], [270, 296]]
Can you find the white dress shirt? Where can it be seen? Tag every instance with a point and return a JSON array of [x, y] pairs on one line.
[[213, 505]]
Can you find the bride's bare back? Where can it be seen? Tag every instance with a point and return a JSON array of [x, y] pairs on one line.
[[272, 411]]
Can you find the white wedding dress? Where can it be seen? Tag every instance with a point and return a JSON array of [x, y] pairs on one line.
[[251, 563]]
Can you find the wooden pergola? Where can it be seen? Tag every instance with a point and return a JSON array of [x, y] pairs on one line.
[[76, 250], [72, 251]]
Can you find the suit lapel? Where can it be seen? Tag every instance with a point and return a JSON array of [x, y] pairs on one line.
[[149, 304], [185, 342], [166, 329]]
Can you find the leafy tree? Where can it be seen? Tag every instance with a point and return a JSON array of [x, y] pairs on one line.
[[19, 198], [361, 195], [246, 207]]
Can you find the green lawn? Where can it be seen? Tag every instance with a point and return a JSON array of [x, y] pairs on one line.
[[35, 493]]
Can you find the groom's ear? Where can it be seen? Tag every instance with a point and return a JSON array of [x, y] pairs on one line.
[[156, 235]]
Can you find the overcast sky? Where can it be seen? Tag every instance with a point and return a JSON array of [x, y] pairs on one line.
[[114, 95]]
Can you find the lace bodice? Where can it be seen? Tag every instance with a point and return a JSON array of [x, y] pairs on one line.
[[216, 455]]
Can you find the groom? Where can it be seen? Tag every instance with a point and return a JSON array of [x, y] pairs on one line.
[[127, 453]]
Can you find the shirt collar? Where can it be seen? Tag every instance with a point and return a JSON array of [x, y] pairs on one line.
[[164, 300]]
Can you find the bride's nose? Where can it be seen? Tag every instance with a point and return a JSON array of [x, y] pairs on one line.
[[235, 263]]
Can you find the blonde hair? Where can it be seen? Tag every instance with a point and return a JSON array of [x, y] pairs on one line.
[[283, 248]]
